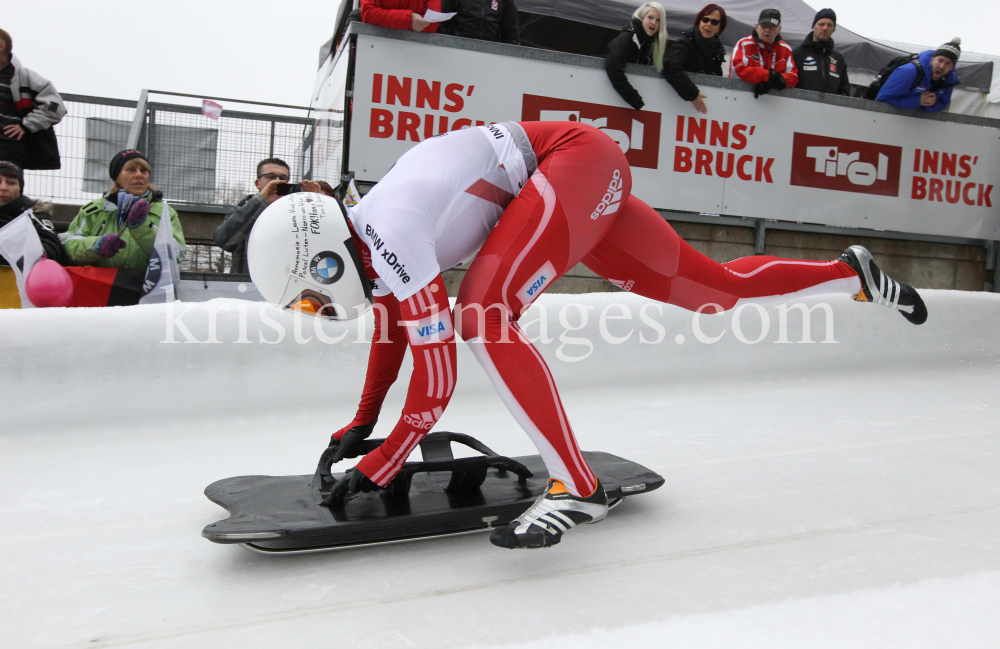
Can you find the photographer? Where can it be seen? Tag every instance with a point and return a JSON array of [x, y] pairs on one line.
[[232, 233]]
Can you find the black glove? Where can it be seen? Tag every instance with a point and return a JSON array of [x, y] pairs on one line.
[[777, 80], [353, 482], [350, 443], [638, 103], [761, 88]]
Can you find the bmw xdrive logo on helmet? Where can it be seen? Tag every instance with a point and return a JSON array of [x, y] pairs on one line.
[[302, 257]]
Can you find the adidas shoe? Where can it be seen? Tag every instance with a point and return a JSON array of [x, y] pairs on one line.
[[555, 512], [879, 288]]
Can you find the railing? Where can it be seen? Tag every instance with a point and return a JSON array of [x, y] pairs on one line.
[[200, 164], [197, 161], [81, 177]]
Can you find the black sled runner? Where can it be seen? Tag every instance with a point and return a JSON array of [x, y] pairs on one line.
[[440, 496]]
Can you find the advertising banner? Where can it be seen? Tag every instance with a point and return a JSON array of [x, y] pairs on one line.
[[772, 157]]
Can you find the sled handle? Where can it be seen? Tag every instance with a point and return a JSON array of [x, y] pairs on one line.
[[435, 447]]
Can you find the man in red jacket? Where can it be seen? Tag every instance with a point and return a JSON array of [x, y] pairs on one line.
[[763, 59], [400, 14]]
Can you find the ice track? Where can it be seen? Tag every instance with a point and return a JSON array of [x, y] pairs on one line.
[[841, 494]]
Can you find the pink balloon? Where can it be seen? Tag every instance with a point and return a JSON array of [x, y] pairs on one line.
[[48, 284]]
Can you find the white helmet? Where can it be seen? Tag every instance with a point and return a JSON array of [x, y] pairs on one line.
[[302, 257]]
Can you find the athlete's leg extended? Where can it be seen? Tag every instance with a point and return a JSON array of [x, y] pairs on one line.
[[543, 233], [643, 254]]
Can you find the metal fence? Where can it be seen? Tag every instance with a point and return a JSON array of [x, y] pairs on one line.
[[66, 185], [197, 162]]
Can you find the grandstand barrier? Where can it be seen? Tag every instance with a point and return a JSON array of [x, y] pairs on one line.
[[827, 167], [760, 199]]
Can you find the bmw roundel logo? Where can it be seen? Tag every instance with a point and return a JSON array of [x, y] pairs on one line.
[[326, 267]]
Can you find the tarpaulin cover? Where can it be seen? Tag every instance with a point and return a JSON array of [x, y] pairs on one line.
[[796, 21]]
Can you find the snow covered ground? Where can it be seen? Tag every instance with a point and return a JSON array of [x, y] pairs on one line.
[[817, 495]]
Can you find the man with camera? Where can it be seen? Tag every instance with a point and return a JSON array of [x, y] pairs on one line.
[[272, 183]]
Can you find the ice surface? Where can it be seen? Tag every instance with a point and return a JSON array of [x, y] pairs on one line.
[[814, 492]]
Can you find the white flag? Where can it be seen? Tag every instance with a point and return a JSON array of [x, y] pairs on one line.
[[162, 276], [21, 247], [352, 196]]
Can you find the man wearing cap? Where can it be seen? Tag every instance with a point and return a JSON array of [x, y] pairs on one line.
[[763, 59], [925, 83], [821, 68], [118, 229], [13, 203], [29, 108]]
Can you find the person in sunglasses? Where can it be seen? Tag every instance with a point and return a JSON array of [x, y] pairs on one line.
[[821, 68], [232, 233], [699, 49], [763, 59]]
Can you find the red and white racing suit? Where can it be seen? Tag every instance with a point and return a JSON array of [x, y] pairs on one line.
[[533, 200], [753, 60]]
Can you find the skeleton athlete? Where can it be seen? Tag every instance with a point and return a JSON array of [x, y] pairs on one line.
[[527, 202]]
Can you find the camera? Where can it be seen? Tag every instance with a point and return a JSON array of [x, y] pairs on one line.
[[284, 189]]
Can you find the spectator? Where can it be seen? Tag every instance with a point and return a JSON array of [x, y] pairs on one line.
[[643, 41], [925, 83], [763, 59], [821, 67], [13, 203], [325, 188], [400, 14], [29, 107], [233, 232], [697, 50], [118, 229], [485, 20]]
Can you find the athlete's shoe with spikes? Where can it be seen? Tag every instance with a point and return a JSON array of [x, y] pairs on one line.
[[879, 288], [554, 513]]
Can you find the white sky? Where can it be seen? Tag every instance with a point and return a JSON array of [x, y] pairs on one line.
[[267, 51]]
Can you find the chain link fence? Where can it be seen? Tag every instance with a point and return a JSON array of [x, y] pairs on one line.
[[199, 163]]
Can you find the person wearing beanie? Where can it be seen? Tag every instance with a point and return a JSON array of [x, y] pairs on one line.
[[821, 67], [13, 203], [118, 229], [763, 59], [925, 84]]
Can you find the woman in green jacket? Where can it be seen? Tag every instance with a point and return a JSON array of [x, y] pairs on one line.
[[118, 229]]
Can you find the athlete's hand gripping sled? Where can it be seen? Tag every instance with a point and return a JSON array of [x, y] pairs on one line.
[[440, 496]]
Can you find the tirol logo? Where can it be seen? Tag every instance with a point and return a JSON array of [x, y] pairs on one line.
[[612, 198], [637, 132], [845, 165], [326, 267]]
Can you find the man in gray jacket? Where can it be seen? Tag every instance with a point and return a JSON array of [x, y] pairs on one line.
[[29, 108], [233, 232]]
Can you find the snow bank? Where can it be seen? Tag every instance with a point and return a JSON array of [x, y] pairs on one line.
[[230, 355], [956, 612], [803, 480]]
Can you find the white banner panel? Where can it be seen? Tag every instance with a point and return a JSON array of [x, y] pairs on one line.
[[776, 158]]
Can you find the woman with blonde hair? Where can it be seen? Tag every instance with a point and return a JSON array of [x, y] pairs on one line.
[[118, 229], [643, 41]]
